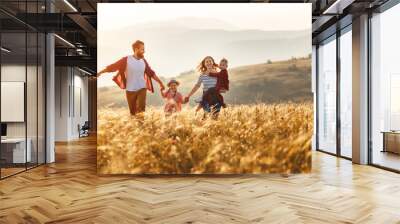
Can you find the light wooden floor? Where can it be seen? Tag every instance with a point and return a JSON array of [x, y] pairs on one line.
[[10, 171], [387, 159], [69, 191]]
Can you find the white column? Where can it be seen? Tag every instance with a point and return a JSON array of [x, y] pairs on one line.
[[50, 100], [50, 92], [360, 90]]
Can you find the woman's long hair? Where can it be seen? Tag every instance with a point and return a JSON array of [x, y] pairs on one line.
[[202, 66]]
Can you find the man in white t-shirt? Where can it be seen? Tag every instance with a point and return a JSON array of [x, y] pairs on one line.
[[134, 75]]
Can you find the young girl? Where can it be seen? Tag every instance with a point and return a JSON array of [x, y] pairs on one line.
[[174, 99]]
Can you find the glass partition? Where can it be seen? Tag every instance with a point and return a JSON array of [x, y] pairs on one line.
[[31, 98], [327, 96], [346, 93], [385, 89], [14, 153], [22, 77]]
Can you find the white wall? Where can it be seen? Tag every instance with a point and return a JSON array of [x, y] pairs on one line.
[[70, 83], [62, 81], [81, 94]]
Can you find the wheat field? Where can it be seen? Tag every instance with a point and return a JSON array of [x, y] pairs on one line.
[[260, 138]]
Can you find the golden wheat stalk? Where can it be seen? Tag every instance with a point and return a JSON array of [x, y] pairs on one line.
[[260, 138]]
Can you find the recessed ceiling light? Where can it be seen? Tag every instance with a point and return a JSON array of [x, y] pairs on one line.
[[5, 50], [84, 71], [70, 5], [337, 7], [64, 40]]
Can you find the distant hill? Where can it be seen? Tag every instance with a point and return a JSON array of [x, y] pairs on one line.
[[269, 82], [174, 46], [187, 22]]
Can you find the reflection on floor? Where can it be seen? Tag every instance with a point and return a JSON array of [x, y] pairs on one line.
[[70, 191], [387, 159], [9, 170]]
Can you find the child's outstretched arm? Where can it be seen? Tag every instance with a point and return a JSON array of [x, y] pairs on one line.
[[193, 91], [182, 99], [163, 93]]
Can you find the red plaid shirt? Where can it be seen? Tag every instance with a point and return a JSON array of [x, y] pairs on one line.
[[222, 79], [120, 78]]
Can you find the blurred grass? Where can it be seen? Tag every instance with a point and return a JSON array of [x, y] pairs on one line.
[[260, 138]]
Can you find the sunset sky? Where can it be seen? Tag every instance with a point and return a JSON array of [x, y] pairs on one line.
[[264, 16], [119, 24]]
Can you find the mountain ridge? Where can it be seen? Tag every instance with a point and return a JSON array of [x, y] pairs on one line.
[[269, 82]]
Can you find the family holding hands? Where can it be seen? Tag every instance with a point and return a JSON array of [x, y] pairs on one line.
[[134, 75]]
